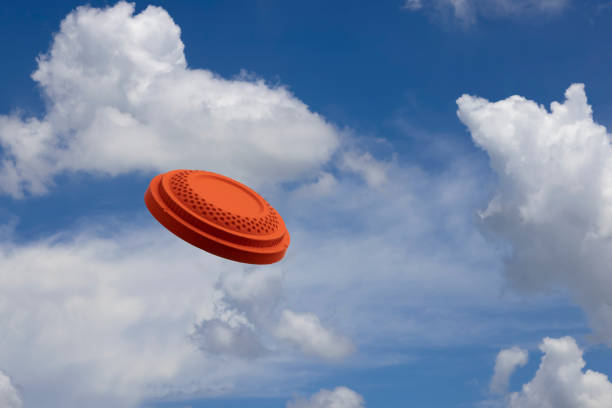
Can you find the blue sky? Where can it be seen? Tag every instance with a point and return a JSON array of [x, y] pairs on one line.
[[450, 227]]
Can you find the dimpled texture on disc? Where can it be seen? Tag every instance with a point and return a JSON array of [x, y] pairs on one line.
[[219, 215]]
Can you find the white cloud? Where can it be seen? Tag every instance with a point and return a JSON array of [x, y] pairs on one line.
[[256, 292], [87, 318], [506, 362], [122, 98], [373, 171], [305, 331], [560, 381], [216, 336], [339, 397], [112, 316], [554, 199], [467, 11], [413, 4], [324, 185], [246, 310], [9, 397]]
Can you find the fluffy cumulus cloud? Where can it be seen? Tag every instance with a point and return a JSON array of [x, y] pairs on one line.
[[339, 397], [560, 381], [122, 98], [506, 362], [554, 197], [111, 321], [249, 308], [99, 322], [9, 397], [467, 11]]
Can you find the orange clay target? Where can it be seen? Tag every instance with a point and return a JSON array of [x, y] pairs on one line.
[[219, 215]]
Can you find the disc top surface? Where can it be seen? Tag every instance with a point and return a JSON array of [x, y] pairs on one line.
[[218, 214]]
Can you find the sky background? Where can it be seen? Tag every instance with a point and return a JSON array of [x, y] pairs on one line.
[[443, 167]]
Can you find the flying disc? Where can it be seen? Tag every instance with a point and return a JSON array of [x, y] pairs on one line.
[[219, 215]]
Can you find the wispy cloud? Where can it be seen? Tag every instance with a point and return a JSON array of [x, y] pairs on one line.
[[468, 11]]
